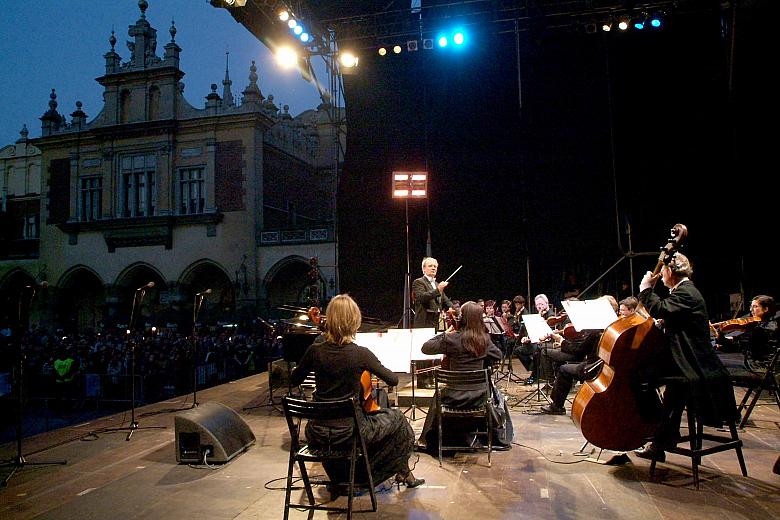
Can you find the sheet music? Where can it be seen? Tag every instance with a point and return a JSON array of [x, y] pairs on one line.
[[396, 348], [536, 327], [595, 314], [491, 326]]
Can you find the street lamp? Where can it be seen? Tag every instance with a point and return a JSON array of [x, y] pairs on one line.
[[409, 185]]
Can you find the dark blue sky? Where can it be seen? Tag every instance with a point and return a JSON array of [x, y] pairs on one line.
[[60, 44]]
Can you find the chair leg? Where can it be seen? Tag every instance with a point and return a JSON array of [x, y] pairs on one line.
[[287, 493], [306, 482], [441, 440], [740, 457], [695, 429]]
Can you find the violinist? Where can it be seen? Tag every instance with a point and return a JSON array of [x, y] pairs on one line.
[[760, 332], [429, 297], [468, 348], [689, 354], [586, 343], [528, 351]]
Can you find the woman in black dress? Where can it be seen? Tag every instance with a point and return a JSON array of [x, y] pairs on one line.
[[468, 348], [337, 363]]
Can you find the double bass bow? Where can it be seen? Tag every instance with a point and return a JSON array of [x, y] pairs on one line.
[[606, 408]]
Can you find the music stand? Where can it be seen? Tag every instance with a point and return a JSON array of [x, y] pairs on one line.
[[133, 426], [538, 393], [18, 462], [413, 407]]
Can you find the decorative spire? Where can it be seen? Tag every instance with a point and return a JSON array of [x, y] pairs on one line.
[[51, 119], [172, 30], [112, 40], [143, 5], [53, 101], [252, 92], [227, 95], [78, 118], [23, 133]]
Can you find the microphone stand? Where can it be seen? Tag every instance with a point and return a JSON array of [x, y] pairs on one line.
[[131, 343], [196, 305], [19, 461]]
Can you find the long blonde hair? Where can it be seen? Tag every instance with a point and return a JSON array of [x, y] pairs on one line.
[[342, 320]]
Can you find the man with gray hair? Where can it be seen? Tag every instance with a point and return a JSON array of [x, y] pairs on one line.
[[428, 296]]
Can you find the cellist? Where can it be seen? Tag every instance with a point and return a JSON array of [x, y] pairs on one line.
[[688, 353]]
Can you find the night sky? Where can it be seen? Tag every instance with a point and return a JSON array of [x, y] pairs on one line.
[[538, 183]]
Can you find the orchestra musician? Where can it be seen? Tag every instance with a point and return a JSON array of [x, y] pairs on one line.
[[429, 297], [468, 348], [528, 351], [338, 363], [760, 337], [586, 345], [690, 355]]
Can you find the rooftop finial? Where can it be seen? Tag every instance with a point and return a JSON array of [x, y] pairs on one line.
[[143, 5], [24, 132], [112, 39], [53, 100], [172, 30]]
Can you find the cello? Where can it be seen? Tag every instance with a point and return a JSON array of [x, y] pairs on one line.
[[606, 408]]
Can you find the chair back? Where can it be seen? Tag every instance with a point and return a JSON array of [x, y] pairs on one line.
[[463, 380]]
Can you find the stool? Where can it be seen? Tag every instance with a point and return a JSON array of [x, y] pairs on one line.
[[696, 449]]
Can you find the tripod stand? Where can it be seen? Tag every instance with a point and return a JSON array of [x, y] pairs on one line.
[[538, 393], [19, 461], [508, 374], [414, 406], [196, 305], [131, 343]]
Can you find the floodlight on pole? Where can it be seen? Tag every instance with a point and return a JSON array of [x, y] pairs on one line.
[[409, 185]]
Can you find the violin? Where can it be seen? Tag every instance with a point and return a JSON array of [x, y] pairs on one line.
[[451, 319], [735, 324], [552, 321]]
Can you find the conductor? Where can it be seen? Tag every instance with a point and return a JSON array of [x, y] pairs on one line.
[[428, 295]]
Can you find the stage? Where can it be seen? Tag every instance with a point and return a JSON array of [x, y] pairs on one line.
[[541, 477]]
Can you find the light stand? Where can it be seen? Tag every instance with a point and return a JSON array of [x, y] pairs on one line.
[[408, 185], [131, 343], [18, 462]]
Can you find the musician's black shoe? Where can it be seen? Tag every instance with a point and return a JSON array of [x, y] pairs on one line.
[[529, 381], [553, 409], [651, 452]]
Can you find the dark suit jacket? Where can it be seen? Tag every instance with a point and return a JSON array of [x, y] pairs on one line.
[[686, 327], [428, 302]]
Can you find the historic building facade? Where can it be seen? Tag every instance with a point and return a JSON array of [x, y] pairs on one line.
[[236, 197]]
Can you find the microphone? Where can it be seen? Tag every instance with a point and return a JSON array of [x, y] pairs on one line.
[[147, 286], [207, 291]]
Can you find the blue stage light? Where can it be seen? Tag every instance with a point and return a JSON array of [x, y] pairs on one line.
[[443, 41], [639, 24], [298, 29], [304, 37], [458, 38], [655, 22]]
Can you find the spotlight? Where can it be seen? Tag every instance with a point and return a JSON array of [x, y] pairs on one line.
[[298, 29], [459, 38], [427, 44], [382, 51], [284, 16], [623, 24], [606, 26], [291, 23], [411, 45], [304, 37], [656, 20], [397, 49], [639, 24], [443, 41], [348, 59], [286, 57]]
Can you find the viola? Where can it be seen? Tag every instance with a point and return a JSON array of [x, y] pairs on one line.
[[369, 403], [451, 319], [552, 321], [735, 324], [606, 409]]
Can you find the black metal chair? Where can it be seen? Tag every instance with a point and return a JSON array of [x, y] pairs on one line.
[[755, 380], [298, 410], [695, 438], [468, 381]]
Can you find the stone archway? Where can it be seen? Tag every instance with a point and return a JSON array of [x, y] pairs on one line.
[[81, 303], [219, 304], [288, 282], [128, 303]]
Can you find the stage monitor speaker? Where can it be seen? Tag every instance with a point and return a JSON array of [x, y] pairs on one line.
[[212, 432]]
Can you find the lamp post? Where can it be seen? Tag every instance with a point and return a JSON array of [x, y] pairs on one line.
[[408, 185]]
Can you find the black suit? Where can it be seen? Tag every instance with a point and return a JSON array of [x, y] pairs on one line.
[[690, 354], [428, 303]]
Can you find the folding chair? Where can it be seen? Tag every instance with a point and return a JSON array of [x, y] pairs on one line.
[[295, 411], [465, 380], [755, 381]]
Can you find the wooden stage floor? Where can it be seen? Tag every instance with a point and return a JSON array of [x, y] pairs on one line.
[[541, 477]]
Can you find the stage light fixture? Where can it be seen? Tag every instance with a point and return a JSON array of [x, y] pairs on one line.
[[348, 59], [623, 24], [410, 184], [382, 51], [427, 43], [656, 20], [640, 21], [606, 26], [304, 37], [458, 38], [443, 41], [291, 23], [298, 29], [397, 49], [284, 15], [286, 57], [411, 45], [236, 3]]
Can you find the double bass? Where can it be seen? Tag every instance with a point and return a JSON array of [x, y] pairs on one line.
[[606, 408]]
